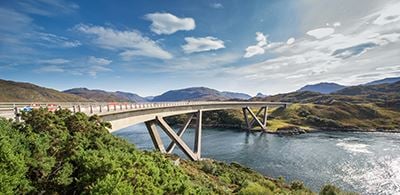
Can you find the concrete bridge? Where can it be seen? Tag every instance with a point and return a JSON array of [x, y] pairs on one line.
[[122, 115]]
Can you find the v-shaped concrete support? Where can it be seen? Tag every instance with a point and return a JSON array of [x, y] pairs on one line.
[[177, 137], [255, 119]]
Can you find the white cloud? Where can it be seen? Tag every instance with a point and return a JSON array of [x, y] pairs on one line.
[[166, 23], [216, 5], [48, 7], [54, 61], [253, 50], [130, 43], [337, 24], [290, 41], [389, 14], [320, 33], [258, 48], [98, 61], [201, 44], [97, 65], [50, 68], [57, 41], [353, 54]]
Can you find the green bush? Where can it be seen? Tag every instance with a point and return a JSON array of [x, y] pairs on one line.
[[333, 190], [254, 189], [65, 153], [321, 122]]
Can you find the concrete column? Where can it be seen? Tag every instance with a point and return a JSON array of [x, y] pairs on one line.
[[246, 119], [155, 137], [17, 114], [197, 139], [265, 116]]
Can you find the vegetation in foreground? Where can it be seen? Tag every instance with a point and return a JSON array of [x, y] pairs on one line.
[[62, 153]]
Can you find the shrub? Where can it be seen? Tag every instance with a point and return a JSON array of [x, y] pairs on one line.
[[254, 189]]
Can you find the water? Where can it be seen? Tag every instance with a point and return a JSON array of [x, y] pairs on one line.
[[368, 163]]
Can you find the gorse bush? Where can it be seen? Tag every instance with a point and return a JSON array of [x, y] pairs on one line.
[[72, 154]]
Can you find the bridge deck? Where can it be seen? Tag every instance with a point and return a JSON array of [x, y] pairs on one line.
[[122, 115]]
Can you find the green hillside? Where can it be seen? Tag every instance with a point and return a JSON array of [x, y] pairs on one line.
[[11, 91], [62, 153]]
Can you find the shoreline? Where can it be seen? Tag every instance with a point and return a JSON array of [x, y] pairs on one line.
[[303, 130]]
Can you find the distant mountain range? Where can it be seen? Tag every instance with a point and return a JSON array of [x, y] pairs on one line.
[[324, 88], [18, 91], [327, 88], [27, 92], [383, 81], [105, 96], [198, 93], [260, 95], [384, 95]]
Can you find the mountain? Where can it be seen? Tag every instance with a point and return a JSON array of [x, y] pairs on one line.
[[193, 93], [130, 96], [372, 90], [324, 88], [260, 95], [384, 81], [235, 95], [11, 91], [149, 98], [96, 95]]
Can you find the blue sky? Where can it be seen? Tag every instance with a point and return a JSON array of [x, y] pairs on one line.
[[149, 47]]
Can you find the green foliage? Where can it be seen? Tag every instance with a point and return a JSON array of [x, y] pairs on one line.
[[72, 154], [333, 190], [254, 189], [321, 122]]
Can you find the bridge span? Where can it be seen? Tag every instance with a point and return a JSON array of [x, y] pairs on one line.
[[122, 115]]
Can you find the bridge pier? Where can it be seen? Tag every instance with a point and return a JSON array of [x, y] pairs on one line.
[[250, 124], [177, 137]]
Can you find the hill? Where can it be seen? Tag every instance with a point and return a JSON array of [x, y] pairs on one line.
[[260, 95], [235, 95], [363, 107], [105, 96], [384, 81], [193, 93], [324, 88], [372, 90], [132, 97], [96, 95], [11, 91]]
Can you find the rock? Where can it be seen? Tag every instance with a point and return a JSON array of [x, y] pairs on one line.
[[290, 130]]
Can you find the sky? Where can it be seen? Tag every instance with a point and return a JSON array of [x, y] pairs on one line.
[[149, 47]]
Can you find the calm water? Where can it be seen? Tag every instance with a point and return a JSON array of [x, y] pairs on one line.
[[368, 163]]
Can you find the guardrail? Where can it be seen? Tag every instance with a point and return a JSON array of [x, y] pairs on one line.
[[12, 109]]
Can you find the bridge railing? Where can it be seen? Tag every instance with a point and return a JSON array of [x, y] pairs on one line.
[[11, 110]]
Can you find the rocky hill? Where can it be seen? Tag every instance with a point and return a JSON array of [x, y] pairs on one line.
[[198, 94], [11, 91], [324, 88]]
